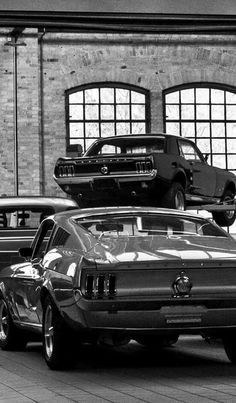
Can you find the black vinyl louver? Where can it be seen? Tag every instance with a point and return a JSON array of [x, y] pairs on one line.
[[60, 237]]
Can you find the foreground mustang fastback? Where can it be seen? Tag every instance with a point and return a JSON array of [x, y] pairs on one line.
[[158, 170], [109, 275], [20, 217]]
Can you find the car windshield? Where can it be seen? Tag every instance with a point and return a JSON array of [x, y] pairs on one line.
[[149, 224], [127, 146]]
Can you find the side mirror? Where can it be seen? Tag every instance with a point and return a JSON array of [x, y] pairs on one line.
[[26, 253]]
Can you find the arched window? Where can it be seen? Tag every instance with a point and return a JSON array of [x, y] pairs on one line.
[[105, 109], [207, 115]]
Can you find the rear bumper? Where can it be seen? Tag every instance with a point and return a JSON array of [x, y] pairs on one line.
[[194, 318]]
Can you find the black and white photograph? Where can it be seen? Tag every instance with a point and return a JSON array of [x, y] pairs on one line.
[[118, 201]]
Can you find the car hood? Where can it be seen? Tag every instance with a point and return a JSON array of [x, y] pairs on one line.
[[114, 250]]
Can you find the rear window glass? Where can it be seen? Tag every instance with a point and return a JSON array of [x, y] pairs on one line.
[[149, 225], [128, 146]]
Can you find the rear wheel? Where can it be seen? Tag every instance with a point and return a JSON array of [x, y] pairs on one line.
[[225, 218], [57, 338], [174, 197], [11, 338]]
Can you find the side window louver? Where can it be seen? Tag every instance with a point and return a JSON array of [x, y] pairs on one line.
[[60, 237]]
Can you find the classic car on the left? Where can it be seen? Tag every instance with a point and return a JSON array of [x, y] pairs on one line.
[[20, 217], [108, 275]]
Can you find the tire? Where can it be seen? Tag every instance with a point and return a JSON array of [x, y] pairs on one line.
[[175, 197], [58, 340], [230, 346], [225, 218], [11, 338]]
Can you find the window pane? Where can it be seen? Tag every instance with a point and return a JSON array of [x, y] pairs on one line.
[[107, 112], [107, 129], [217, 112], [122, 112], [172, 112], [91, 112], [138, 112], [203, 129], [187, 112], [204, 145], [76, 112], [231, 145], [218, 129], [137, 98], [187, 96], [188, 129], [217, 96], [122, 129], [231, 112], [231, 161], [172, 98], [76, 129], [88, 143], [76, 98], [173, 128], [122, 96], [92, 129], [138, 128], [218, 146], [219, 161], [230, 97], [231, 129], [202, 95], [92, 96], [107, 95], [202, 112]]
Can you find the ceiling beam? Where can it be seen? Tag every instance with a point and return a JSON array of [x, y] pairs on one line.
[[119, 22]]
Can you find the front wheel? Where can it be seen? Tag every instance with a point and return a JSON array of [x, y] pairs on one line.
[[225, 218], [11, 338], [174, 198], [57, 338]]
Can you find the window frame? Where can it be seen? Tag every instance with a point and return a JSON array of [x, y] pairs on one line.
[[99, 85]]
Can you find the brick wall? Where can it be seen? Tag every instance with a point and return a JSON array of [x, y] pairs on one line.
[[149, 61]]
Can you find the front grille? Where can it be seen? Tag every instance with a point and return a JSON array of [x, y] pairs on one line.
[[143, 167]]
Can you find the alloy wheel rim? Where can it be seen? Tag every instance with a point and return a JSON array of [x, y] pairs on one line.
[[48, 331], [4, 321]]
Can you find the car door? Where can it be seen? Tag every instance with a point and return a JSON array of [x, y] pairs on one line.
[[203, 175], [28, 279]]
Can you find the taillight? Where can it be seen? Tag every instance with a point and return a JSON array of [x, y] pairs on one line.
[[98, 286]]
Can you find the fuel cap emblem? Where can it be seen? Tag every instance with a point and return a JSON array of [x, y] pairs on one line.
[[182, 286], [104, 170]]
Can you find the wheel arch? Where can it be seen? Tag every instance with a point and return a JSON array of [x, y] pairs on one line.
[[231, 187], [180, 177]]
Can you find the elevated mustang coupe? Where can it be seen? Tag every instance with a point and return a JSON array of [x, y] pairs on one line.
[[108, 275]]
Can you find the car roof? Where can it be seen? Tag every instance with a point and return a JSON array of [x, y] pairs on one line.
[[131, 136], [89, 212], [57, 203]]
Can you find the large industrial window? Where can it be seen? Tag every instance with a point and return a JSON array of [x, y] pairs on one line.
[[207, 115], [105, 109]]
